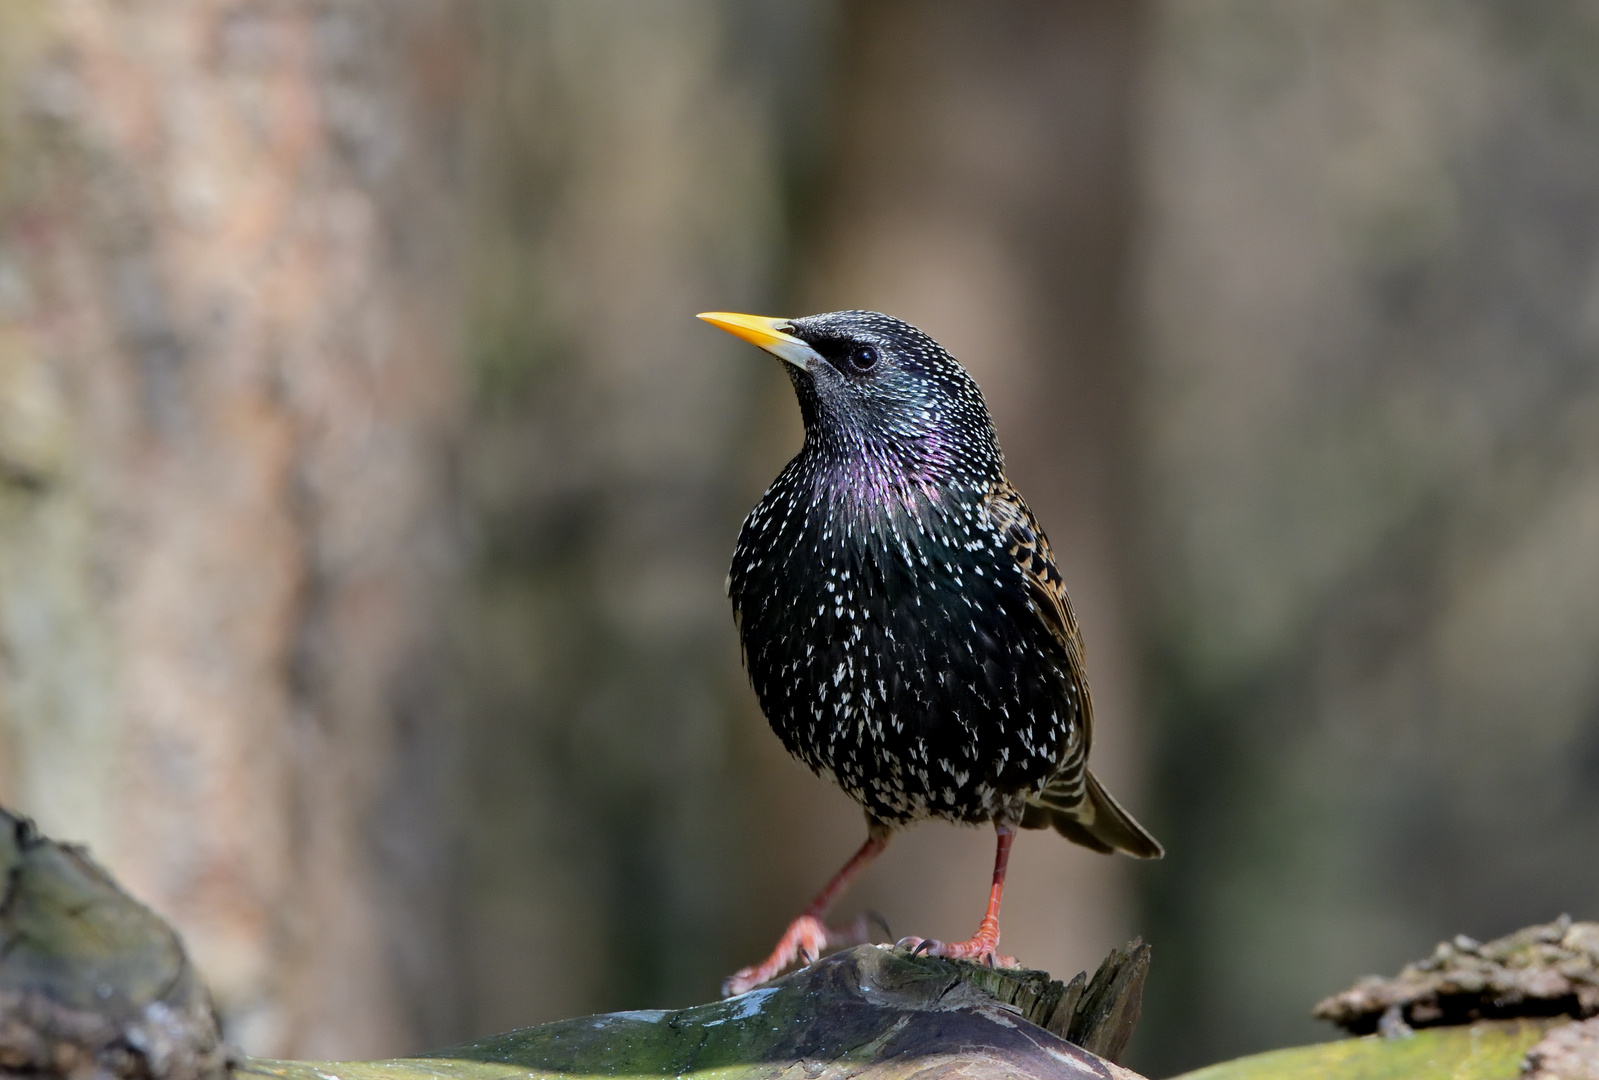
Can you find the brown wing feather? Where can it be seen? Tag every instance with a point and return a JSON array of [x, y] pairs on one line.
[[1030, 548], [1071, 800]]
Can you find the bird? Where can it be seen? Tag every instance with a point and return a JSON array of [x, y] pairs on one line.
[[903, 622]]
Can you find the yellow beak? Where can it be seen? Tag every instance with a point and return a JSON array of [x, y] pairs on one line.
[[763, 331]]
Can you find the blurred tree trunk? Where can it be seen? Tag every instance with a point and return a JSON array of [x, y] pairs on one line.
[[227, 400], [979, 185]]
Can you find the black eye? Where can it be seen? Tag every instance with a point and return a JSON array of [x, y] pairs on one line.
[[863, 358]]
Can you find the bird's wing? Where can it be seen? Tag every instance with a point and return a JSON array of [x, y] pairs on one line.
[[1029, 547], [1071, 800]]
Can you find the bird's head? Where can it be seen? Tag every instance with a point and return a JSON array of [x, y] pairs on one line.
[[877, 392]]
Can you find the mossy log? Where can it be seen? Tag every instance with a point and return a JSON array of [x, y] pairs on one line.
[[869, 1012], [92, 984], [1489, 1050]]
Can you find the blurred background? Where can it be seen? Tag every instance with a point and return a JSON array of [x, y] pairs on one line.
[[367, 485]]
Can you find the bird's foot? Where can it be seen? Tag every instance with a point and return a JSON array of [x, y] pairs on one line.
[[804, 939], [983, 947]]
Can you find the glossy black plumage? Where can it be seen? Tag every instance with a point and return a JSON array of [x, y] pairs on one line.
[[903, 622]]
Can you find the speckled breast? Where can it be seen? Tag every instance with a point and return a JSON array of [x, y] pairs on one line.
[[900, 654]]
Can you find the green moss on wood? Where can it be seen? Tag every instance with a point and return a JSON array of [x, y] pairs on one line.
[[1491, 1050], [867, 1012]]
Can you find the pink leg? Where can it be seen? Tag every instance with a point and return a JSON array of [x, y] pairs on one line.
[[984, 945], [807, 936]]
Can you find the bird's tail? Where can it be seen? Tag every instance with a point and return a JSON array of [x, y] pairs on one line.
[[1097, 821]]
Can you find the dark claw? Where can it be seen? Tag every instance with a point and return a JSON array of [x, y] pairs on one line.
[[876, 917], [990, 959], [806, 957], [922, 946]]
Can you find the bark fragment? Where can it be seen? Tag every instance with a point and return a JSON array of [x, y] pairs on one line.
[[1546, 970], [92, 983]]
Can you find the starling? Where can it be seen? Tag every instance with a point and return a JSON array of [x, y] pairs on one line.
[[902, 619]]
